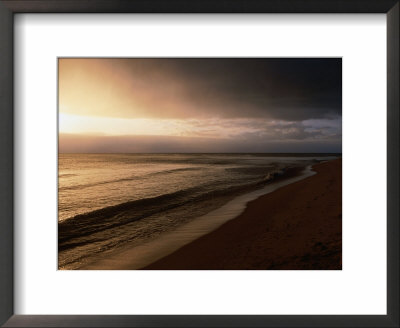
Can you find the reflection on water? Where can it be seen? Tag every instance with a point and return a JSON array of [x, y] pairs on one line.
[[147, 253], [109, 201]]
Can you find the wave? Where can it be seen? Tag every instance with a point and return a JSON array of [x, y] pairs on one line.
[[133, 177], [117, 215], [183, 169], [113, 216], [74, 231], [88, 185]]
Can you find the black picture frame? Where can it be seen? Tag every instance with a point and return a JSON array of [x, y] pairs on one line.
[[10, 7]]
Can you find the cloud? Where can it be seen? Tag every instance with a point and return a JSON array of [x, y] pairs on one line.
[[237, 135], [293, 89], [201, 105], [259, 129]]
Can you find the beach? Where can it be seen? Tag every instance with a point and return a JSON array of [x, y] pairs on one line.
[[126, 211], [297, 227]]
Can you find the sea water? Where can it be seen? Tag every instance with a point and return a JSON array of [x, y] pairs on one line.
[[108, 202]]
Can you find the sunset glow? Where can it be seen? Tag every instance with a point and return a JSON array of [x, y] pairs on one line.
[[156, 155], [241, 104]]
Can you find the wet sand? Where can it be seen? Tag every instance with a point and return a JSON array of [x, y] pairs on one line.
[[297, 227]]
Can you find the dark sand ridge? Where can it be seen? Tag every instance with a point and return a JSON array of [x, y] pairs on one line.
[[298, 226]]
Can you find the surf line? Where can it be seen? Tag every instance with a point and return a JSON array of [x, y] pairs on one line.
[[147, 253]]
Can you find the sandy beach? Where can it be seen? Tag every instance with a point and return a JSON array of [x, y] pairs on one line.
[[297, 227]]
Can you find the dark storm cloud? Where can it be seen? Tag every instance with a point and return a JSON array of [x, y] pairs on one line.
[[287, 89]]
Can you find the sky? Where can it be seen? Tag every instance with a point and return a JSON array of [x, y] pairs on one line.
[[200, 105]]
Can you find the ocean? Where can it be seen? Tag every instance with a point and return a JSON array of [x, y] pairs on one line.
[[111, 202]]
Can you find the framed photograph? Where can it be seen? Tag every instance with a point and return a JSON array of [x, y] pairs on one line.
[[199, 164], [157, 153]]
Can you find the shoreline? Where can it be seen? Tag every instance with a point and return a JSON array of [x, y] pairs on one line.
[[145, 254], [296, 227]]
